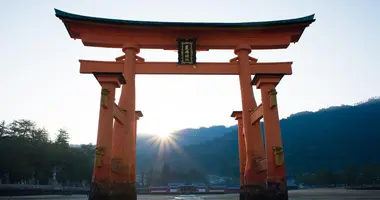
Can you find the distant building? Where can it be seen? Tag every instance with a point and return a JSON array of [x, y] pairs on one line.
[[217, 188], [175, 186], [182, 187], [158, 189]]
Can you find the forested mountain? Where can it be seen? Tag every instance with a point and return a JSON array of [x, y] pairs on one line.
[[149, 148], [331, 138], [335, 139]]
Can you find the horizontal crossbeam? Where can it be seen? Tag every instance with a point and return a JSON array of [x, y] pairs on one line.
[[118, 114], [88, 66], [257, 114]]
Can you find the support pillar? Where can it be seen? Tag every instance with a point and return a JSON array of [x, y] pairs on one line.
[[138, 114], [100, 188], [122, 186], [276, 186], [254, 179], [241, 144]]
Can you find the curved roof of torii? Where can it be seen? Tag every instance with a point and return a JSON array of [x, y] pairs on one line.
[[296, 26], [69, 16]]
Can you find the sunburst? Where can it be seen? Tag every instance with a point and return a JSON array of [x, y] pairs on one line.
[[165, 142]]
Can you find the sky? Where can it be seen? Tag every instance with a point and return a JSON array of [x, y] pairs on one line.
[[335, 63]]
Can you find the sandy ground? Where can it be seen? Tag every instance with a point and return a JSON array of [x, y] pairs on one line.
[[311, 194]]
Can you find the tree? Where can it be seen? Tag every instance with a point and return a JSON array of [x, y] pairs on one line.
[[307, 179], [149, 177], [29, 154], [195, 176], [3, 129], [22, 128], [40, 134], [350, 175], [62, 138], [370, 174], [325, 177]]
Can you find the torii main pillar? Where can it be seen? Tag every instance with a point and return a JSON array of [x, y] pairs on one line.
[[123, 186], [276, 185], [254, 179]]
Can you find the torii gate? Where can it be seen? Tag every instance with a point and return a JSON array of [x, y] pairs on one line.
[[262, 171]]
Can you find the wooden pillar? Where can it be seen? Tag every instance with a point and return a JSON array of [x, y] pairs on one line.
[[123, 188], [273, 142], [138, 114], [241, 144], [254, 179], [100, 188]]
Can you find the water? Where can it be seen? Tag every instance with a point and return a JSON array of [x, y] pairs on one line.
[[307, 194]]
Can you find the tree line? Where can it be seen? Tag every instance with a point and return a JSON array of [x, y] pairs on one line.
[[350, 176], [331, 146], [28, 155]]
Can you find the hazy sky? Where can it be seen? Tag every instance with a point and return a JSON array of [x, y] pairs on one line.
[[335, 62]]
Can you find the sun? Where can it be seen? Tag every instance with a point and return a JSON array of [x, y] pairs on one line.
[[164, 135], [165, 141]]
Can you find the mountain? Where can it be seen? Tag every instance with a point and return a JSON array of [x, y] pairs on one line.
[[147, 148], [337, 145], [330, 138]]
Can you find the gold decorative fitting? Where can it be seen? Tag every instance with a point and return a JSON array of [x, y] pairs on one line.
[[278, 153], [116, 165], [272, 97], [104, 97], [99, 154], [260, 163]]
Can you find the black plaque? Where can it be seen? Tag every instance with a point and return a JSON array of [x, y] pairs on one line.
[[187, 54]]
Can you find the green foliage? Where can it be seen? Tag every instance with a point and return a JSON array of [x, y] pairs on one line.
[[27, 154], [333, 145], [351, 176], [3, 129], [338, 145], [62, 138]]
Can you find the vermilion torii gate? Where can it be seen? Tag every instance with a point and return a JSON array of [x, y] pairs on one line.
[[262, 170]]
